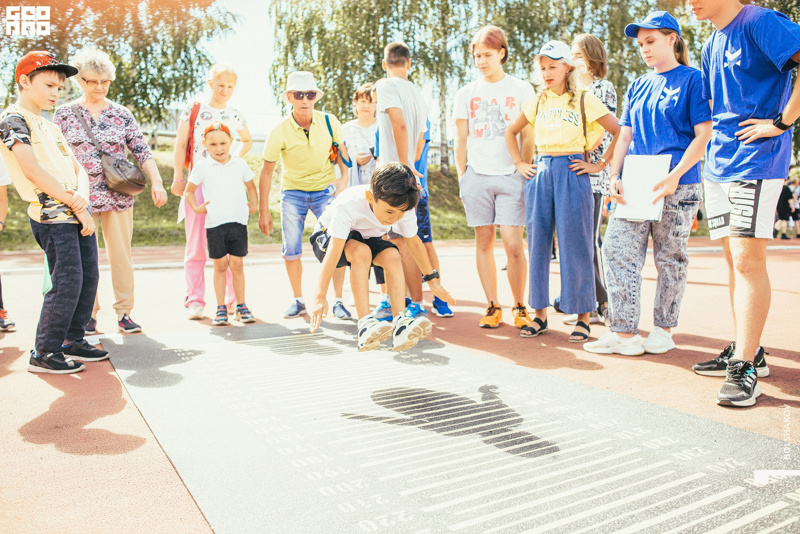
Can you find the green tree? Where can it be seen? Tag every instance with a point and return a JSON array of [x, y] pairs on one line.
[[156, 46]]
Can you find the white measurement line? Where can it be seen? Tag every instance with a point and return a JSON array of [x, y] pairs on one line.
[[615, 504], [592, 497], [509, 435], [465, 460], [343, 405], [393, 447], [529, 461], [536, 503], [645, 525], [749, 518], [532, 480], [710, 516], [396, 420], [784, 524], [478, 444], [527, 481], [484, 474]]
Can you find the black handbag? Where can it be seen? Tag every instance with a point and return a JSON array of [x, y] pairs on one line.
[[121, 175]]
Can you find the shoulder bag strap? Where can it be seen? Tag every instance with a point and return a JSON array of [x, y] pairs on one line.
[[583, 120], [346, 161], [78, 114]]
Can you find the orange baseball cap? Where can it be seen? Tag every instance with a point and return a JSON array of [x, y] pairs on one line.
[[40, 59], [217, 125]]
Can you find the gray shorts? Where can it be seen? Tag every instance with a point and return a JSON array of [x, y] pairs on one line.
[[497, 200]]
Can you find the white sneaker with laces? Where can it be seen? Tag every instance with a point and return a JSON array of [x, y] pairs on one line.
[[371, 332], [408, 331], [195, 311], [611, 343], [572, 319], [658, 342]]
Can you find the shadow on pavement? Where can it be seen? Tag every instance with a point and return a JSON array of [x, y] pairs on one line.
[[453, 415], [147, 358], [90, 395], [8, 355]]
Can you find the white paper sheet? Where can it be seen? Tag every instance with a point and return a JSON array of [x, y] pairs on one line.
[[639, 175]]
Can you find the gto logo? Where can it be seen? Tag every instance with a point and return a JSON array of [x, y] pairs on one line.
[[32, 21]]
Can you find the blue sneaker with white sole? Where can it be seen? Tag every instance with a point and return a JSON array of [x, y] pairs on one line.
[[414, 310], [441, 308], [340, 311], [383, 311]]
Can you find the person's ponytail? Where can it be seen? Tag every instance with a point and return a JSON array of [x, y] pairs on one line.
[[680, 48]]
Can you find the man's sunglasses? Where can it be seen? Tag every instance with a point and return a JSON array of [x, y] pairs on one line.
[[298, 95]]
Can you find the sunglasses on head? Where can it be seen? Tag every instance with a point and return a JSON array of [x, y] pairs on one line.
[[299, 95]]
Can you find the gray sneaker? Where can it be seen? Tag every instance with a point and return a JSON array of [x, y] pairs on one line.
[[741, 385], [53, 362]]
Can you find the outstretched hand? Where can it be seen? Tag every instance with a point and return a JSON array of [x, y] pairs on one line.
[[317, 311], [441, 292]]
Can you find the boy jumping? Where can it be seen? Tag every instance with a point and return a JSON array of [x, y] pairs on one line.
[[350, 232]]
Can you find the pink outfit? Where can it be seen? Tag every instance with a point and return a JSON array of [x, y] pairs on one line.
[[194, 259]]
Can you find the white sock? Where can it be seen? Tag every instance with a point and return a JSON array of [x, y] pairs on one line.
[[417, 303], [301, 300], [385, 296], [337, 299]]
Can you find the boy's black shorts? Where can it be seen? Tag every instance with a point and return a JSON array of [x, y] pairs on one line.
[[320, 240], [228, 238]]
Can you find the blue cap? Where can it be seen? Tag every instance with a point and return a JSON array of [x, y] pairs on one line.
[[654, 21]]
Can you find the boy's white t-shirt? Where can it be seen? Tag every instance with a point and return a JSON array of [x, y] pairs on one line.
[[400, 93], [490, 108], [359, 140], [351, 211], [5, 176], [223, 188]]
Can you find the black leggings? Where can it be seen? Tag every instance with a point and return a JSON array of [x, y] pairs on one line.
[[1, 295]]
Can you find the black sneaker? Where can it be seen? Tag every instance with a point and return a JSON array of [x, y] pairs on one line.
[[53, 362], [127, 325], [718, 366], [91, 327], [741, 385], [83, 351]]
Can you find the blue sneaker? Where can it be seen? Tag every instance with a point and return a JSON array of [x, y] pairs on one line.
[[340, 311], [441, 308], [414, 310], [295, 310], [383, 311]]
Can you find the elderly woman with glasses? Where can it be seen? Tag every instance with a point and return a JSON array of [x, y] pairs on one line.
[[115, 129], [304, 142]]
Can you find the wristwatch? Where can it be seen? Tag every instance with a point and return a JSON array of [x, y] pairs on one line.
[[778, 123], [605, 163], [428, 277]]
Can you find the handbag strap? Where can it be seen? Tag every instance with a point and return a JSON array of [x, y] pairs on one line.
[[585, 136], [77, 113], [346, 161]]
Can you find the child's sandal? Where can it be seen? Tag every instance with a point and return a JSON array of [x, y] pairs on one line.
[[534, 329], [581, 332]]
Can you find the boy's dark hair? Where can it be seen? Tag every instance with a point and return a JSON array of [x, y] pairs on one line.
[[395, 184], [396, 54], [61, 75]]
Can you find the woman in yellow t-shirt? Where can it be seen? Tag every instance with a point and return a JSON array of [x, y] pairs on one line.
[[566, 121]]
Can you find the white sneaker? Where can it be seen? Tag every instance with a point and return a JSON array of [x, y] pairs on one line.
[[195, 311], [658, 342], [611, 343], [594, 318], [408, 331], [371, 332]]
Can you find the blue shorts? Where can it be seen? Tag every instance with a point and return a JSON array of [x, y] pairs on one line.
[[295, 206]]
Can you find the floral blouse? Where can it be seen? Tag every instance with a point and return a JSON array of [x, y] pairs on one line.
[[604, 90], [114, 130]]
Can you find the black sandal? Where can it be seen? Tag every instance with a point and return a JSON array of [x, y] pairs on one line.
[[582, 331], [532, 330]]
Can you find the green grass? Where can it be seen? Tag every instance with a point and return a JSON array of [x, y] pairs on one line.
[[157, 227]]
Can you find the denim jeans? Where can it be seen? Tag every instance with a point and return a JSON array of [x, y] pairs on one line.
[[295, 206], [557, 197], [67, 307], [625, 251]]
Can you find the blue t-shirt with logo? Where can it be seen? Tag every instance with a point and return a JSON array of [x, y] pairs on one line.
[[747, 73], [662, 109]]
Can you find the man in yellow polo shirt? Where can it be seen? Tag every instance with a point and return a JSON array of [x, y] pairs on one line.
[[303, 141]]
